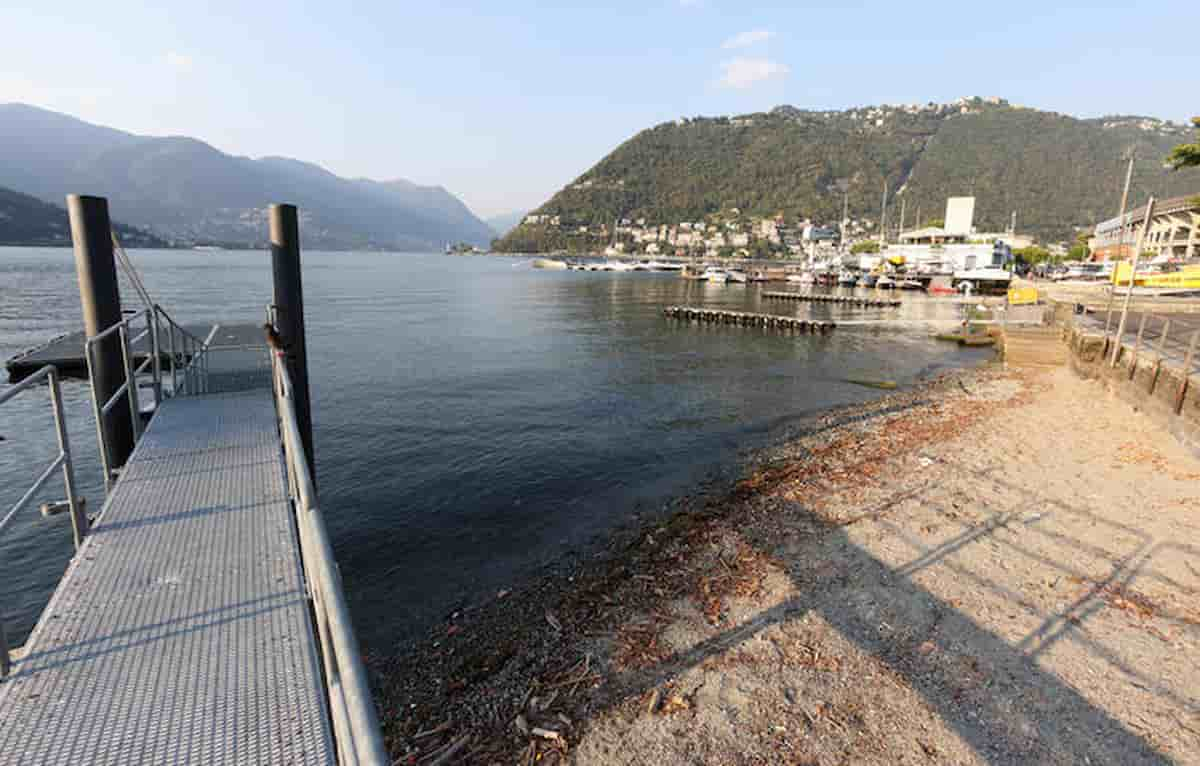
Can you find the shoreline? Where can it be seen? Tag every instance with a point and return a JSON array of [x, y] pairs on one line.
[[471, 646], [878, 587]]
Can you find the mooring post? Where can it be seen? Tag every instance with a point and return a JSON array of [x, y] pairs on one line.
[[91, 233], [289, 315]]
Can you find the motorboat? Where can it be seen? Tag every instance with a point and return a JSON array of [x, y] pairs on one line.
[[616, 266], [759, 276], [885, 283], [713, 274], [910, 284], [805, 278], [736, 276]]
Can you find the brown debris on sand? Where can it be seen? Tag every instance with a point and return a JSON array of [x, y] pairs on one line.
[[995, 568]]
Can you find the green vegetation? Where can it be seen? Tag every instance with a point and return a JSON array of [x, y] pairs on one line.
[[865, 246], [25, 220], [1057, 172], [1035, 255], [1186, 155]]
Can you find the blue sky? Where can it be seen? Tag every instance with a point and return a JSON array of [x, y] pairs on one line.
[[503, 103]]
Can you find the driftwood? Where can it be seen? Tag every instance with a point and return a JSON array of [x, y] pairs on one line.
[[451, 751]]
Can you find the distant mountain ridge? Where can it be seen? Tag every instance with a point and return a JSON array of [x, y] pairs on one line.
[[1058, 173], [186, 190], [26, 220], [505, 222]]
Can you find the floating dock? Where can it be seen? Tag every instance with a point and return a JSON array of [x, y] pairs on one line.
[[181, 631], [202, 618], [66, 351], [744, 319], [845, 300]]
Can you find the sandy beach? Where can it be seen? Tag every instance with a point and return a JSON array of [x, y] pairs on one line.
[[997, 567]]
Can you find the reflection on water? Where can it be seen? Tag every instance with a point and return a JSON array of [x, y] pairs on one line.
[[474, 417]]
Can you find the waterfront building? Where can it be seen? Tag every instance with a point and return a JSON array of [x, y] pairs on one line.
[[1174, 231]]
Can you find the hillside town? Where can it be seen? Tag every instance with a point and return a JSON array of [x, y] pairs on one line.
[[733, 234]]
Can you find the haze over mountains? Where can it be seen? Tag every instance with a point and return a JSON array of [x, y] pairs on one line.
[[26, 220], [1058, 173], [188, 191]]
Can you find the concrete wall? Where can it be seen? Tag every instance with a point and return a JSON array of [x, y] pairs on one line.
[[1142, 382]]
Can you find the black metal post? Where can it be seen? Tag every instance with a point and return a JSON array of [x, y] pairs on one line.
[[289, 315], [91, 233]]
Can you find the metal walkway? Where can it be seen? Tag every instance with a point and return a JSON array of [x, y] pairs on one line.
[[181, 631]]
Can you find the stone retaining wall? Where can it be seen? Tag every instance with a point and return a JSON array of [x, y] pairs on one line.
[[1160, 391]]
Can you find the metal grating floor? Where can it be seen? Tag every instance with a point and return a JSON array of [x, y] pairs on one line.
[[180, 632]]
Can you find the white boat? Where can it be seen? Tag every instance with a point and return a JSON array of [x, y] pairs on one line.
[[759, 276], [885, 282], [713, 274], [989, 279], [801, 279], [736, 276], [666, 266], [616, 266], [549, 263]]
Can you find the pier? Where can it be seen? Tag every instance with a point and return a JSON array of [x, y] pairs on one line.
[[65, 352], [844, 300], [744, 319], [202, 618]]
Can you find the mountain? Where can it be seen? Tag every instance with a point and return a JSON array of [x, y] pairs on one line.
[[187, 190], [1056, 172], [26, 220], [505, 222]]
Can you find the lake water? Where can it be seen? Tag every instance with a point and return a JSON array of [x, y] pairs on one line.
[[474, 418]]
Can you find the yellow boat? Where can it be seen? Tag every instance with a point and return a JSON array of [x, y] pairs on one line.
[[1187, 278]]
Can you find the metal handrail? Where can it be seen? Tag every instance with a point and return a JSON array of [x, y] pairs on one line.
[[352, 709], [187, 359], [79, 520]]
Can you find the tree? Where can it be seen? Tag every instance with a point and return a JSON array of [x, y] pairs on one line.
[[1033, 255], [1078, 252], [1186, 155], [865, 246]]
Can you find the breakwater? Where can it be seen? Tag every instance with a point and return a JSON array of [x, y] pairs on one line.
[[746, 319], [845, 300]]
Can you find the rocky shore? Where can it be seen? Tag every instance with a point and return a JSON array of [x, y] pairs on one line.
[[990, 568]]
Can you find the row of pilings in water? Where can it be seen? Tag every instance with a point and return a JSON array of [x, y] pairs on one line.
[[744, 319], [846, 300]]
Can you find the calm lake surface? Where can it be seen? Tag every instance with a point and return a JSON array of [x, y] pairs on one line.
[[475, 418]]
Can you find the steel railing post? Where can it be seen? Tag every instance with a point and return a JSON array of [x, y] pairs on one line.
[[5, 656], [106, 463], [131, 384], [152, 318], [174, 368], [79, 521]]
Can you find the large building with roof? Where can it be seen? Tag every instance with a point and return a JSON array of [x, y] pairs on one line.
[[1174, 231]]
